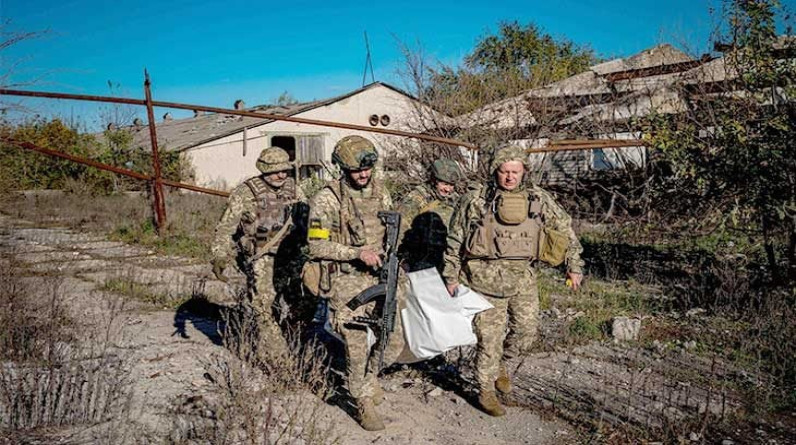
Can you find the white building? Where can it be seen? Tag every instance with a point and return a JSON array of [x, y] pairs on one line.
[[222, 149]]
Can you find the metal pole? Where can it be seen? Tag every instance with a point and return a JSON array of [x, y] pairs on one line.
[[157, 184], [110, 168], [276, 117]]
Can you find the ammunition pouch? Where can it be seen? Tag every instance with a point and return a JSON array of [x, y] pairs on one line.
[[553, 248], [317, 277]]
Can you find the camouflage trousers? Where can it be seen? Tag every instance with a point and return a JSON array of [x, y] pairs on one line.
[[519, 317], [262, 294], [361, 364]]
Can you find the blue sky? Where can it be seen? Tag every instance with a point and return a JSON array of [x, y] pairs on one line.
[[213, 52]]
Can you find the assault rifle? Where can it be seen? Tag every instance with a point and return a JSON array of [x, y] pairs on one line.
[[387, 287]]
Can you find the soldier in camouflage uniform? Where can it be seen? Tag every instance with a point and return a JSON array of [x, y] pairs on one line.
[[256, 220], [426, 211], [497, 235], [346, 238]]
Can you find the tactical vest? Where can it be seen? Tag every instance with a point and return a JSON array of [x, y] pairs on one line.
[[272, 213], [358, 224], [516, 236]]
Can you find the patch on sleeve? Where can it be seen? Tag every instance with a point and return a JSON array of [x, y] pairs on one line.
[[316, 231]]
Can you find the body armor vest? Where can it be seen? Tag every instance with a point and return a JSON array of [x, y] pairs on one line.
[[272, 214], [359, 224], [494, 237]]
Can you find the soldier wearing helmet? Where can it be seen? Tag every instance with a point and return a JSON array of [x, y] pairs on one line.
[[345, 238], [497, 236], [257, 219], [427, 209]]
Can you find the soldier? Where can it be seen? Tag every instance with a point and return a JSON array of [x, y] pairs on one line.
[[346, 237], [428, 209], [497, 235], [257, 219]]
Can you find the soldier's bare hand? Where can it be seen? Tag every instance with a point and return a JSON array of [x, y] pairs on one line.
[[575, 279], [452, 288], [218, 271], [370, 258]]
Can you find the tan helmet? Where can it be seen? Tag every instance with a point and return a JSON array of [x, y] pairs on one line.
[[508, 154], [355, 153], [274, 159]]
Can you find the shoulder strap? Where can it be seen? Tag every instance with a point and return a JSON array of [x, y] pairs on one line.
[[334, 187], [258, 187]]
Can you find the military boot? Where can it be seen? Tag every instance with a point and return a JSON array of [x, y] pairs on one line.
[[490, 404], [369, 419], [503, 382]]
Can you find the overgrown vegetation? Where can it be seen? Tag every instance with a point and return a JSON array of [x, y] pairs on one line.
[[126, 217], [259, 396], [22, 169], [700, 243], [56, 373]]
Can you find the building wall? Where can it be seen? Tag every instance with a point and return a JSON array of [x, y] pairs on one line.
[[558, 168], [223, 164]]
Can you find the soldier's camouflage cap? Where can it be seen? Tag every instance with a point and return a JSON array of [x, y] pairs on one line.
[[508, 154], [355, 153], [446, 170], [274, 159]]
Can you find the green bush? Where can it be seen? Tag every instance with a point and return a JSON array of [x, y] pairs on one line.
[[22, 169]]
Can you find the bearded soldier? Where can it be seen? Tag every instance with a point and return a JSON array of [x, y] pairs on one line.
[[497, 235], [345, 238], [427, 210], [256, 220]]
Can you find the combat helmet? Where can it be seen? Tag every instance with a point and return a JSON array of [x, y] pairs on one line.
[[274, 159], [507, 154], [446, 170], [354, 153]]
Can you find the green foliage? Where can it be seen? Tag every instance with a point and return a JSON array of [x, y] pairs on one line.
[[530, 51], [175, 241], [286, 99], [21, 169], [128, 287], [501, 65], [731, 158]]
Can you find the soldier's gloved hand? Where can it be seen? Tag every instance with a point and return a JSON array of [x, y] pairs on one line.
[[218, 270], [370, 258]]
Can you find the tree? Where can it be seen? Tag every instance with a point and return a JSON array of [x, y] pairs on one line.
[[501, 65], [730, 159], [286, 99]]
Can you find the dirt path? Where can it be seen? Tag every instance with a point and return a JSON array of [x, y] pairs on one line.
[[167, 367]]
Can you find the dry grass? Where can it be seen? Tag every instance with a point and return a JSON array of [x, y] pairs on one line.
[[125, 217], [56, 374], [258, 396]]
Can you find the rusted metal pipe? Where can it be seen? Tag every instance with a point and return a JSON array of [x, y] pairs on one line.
[[582, 146], [266, 116], [110, 168], [110, 99], [157, 185]]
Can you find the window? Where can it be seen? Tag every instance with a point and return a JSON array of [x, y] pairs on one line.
[[287, 143], [600, 160], [306, 150]]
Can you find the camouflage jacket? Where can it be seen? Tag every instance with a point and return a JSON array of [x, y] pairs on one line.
[[425, 198], [325, 212], [241, 205], [471, 209]]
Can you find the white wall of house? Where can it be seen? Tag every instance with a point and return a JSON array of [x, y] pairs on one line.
[[223, 163]]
